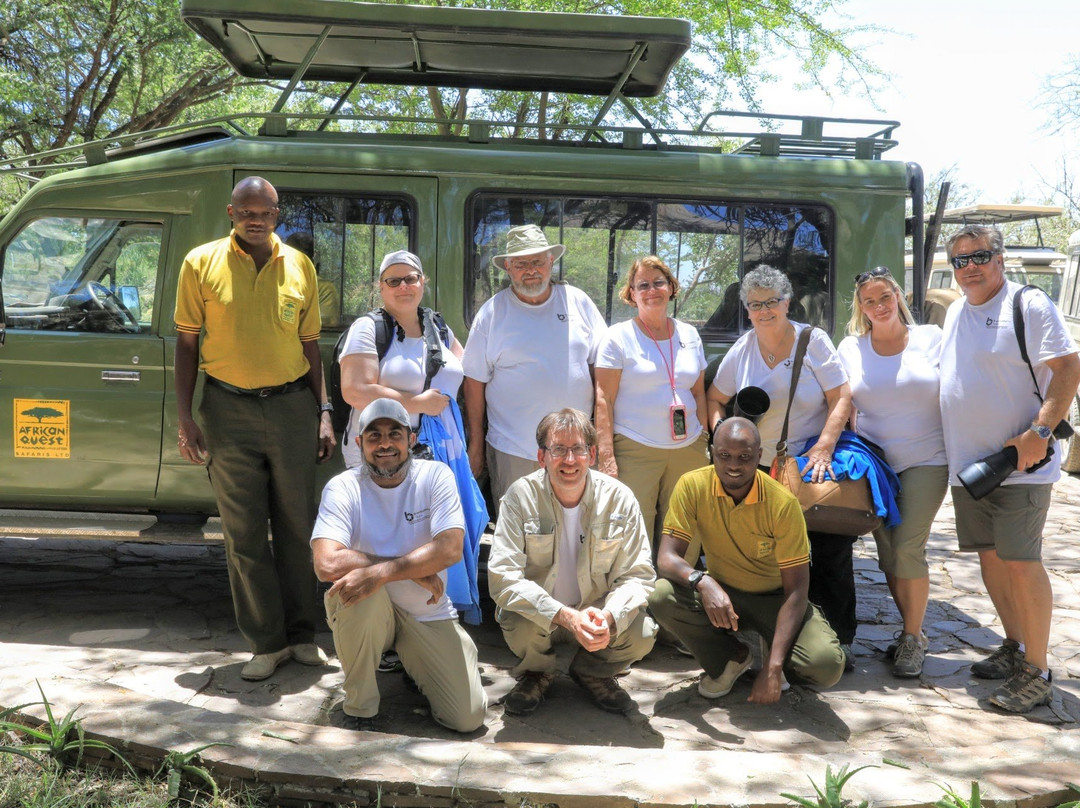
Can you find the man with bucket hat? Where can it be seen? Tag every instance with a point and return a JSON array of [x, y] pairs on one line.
[[530, 352]]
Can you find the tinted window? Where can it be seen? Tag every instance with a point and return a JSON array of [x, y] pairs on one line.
[[709, 246], [348, 235]]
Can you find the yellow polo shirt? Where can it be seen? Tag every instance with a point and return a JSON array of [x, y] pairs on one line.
[[745, 545], [251, 322]]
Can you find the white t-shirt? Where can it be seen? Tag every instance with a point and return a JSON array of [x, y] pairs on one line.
[[566, 589], [643, 403], [392, 522], [896, 397], [987, 395], [744, 366], [534, 360], [403, 369]]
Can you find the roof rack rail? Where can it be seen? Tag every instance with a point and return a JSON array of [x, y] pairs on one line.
[[810, 142]]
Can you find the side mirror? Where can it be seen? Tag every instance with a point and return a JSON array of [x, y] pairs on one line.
[[129, 296]]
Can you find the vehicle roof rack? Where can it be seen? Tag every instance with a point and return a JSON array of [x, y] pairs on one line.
[[999, 214], [379, 43], [805, 135]]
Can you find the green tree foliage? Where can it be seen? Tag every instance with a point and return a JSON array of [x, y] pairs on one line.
[[83, 70]]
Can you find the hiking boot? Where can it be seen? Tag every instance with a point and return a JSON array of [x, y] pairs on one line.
[[1006, 661], [1024, 691], [713, 687], [308, 653], [359, 723], [605, 691], [908, 656], [390, 662], [528, 692]]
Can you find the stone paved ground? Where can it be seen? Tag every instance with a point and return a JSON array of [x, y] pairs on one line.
[[142, 635]]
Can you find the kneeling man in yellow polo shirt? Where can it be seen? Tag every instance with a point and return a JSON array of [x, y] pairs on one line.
[[753, 535]]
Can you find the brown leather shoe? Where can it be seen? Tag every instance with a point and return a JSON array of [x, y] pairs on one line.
[[528, 692], [605, 691]]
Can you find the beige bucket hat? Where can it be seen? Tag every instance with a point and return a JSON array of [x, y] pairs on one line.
[[527, 239]]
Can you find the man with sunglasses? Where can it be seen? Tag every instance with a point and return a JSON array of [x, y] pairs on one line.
[[570, 563], [247, 313], [988, 402], [531, 350]]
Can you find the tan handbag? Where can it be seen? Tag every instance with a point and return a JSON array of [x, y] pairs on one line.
[[843, 507]]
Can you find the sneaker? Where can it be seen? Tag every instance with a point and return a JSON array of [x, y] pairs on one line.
[[908, 656], [390, 662], [713, 687], [262, 666], [308, 653], [528, 692], [1006, 661], [1024, 690], [605, 691]]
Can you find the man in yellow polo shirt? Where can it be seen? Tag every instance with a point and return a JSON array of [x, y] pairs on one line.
[[753, 535], [247, 313]]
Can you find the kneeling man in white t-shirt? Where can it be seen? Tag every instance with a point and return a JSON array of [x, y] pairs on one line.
[[386, 532]]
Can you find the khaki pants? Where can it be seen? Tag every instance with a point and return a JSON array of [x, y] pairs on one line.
[[504, 469], [651, 474], [438, 655], [816, 657], [534, 646], [262, 467]]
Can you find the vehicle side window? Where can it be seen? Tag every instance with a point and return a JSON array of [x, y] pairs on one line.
[[1073, 273], [82, 274], [708, 245], [346, 237]]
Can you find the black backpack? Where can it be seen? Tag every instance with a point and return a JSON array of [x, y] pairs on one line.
[[385, 327]]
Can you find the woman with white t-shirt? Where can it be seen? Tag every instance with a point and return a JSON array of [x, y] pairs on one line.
[[893, 368], [401, 372], [650, 394], [763, 357]]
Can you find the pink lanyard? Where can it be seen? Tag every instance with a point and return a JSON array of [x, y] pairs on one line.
[[670, 368]]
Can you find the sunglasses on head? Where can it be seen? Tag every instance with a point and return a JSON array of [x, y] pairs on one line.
[[980, 257], [876, 272]]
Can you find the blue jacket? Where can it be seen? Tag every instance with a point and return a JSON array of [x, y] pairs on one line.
[[853, 459]]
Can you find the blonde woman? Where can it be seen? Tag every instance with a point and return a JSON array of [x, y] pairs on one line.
[[893, 369]]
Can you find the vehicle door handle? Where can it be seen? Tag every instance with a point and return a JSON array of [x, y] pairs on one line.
[[121, 375]]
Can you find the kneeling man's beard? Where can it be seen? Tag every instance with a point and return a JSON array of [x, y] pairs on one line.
[[388, 473]]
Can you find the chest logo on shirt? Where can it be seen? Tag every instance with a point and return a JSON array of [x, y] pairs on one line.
[[787, 363], [289, 309], [992, 323], [561, 316], [418, 516], [765, 548]]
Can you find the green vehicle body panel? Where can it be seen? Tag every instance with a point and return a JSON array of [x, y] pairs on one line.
[[123, 452]]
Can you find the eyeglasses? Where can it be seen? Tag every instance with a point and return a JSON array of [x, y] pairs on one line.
[[408, 280], [876, 272], [771, 303], [522, 264], [644, 286], [251, 215], [559, 452], [980, 257]]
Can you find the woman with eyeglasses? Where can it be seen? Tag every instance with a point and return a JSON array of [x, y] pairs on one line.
[[400, 374], [893, 367], [650, 394], [763, 357]]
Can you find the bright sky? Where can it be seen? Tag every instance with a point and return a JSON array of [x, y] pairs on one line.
[[966, 77]]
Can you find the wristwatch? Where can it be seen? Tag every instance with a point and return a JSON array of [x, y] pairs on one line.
[[327, 407], [1043, 432], [695, 579]]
